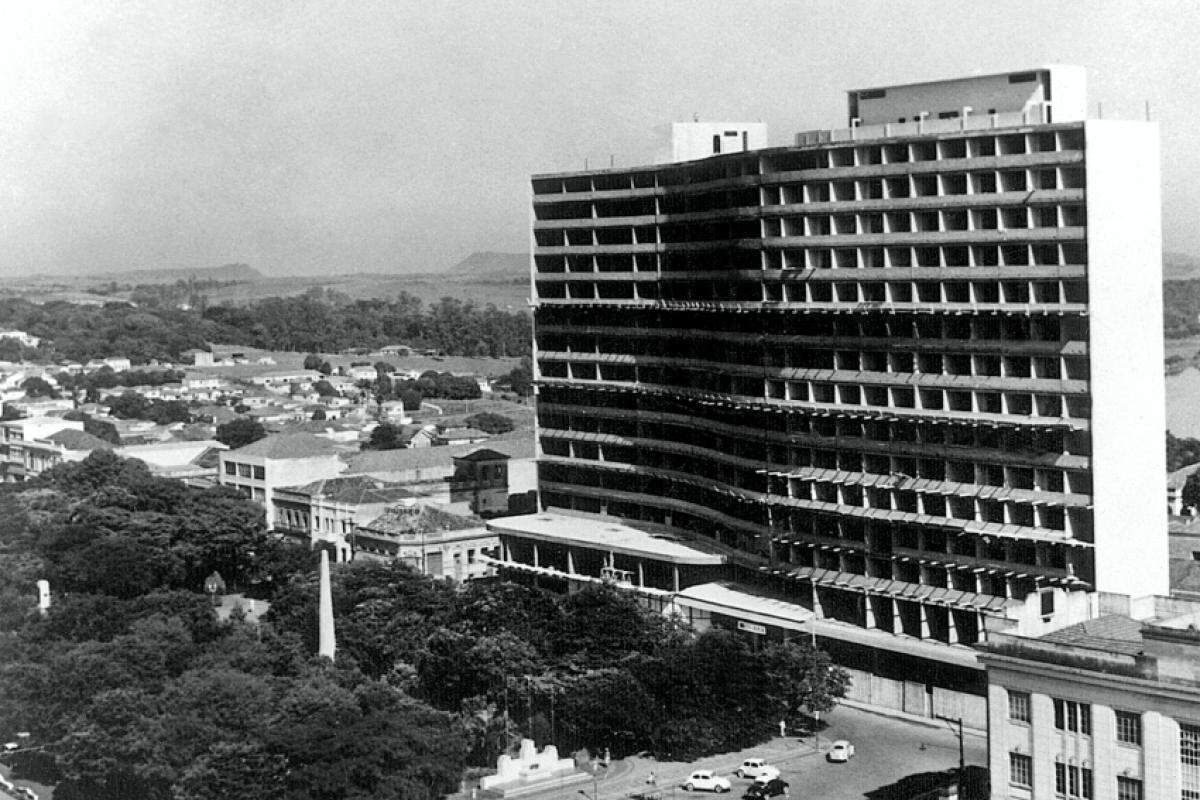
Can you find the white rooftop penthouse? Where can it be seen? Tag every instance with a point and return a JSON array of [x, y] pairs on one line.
[[689, 141], [1045, 95]]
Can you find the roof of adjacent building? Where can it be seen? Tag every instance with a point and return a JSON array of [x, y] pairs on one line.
[[289, 445], [484, 454], [1113, 633], [400, 520], [1176, 479], [609, 534], [517, 447], [72, 439], [354, 490]]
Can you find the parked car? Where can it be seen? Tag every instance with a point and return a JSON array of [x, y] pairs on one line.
[[756, 768], [764, 788], [704, 780], [842, 751]]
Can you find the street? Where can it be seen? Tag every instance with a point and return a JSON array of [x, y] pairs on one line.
[[887, 751]]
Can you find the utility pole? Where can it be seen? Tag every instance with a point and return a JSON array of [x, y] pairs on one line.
[[962, 766]]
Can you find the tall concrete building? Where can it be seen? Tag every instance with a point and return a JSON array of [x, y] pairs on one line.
[[907, 371]]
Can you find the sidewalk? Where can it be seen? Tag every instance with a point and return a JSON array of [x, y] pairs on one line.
[[916, 719]]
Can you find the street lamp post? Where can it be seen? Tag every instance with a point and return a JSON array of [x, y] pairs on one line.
[[962, 762]]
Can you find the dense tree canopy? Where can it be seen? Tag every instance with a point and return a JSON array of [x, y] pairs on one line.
[[133, 689], [319, 321], [587, 669], [240, 432], [489, 422]]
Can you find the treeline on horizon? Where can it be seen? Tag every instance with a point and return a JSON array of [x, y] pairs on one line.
[[320, 321]]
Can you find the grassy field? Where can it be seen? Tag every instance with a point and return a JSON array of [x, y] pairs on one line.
[[455, 411]]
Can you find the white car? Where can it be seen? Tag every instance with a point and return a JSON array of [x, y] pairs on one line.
[[704, 780], [842, 751], [756, 768]]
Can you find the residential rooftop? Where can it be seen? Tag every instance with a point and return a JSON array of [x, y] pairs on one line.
[[289, 445]]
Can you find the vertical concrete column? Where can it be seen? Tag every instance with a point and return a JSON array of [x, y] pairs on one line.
[[951, 627], [641, 573], [869, 612], [505, 553], [1104, 752], [570, 562], [674, 578], [924, 620], [536, 562], [1045, 746], [1160, 743], [816, 599], [997, 752]]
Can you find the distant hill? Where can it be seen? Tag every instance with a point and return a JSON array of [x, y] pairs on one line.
[[492, 266], [224, 273]]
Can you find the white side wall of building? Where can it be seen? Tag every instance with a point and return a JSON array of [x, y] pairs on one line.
[[1126, 352]]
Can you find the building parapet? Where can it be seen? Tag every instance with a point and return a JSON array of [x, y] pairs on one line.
[[1034, 114]]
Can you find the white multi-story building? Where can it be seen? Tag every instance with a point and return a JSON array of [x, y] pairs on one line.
[[910, 368], [280, 460]]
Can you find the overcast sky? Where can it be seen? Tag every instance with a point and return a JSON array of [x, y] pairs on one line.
[[386, 136]]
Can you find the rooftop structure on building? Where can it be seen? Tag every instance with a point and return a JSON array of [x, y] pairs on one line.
[[888, 366]]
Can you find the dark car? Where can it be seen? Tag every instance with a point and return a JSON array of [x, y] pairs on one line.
[[759, 790]]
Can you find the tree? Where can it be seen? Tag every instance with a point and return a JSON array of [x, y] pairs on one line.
[[240, 432], [1191, 491], [319, 415], [325, 388], [325, 368], [488, 422], [385, 436], [520, 378], [312, 361], [1181, 452], [411, 398], [38, 386]]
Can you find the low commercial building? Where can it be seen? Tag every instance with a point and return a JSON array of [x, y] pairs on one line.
[[329, 511], [24, 451], [1108, 709], [431, 541], [261, 468]]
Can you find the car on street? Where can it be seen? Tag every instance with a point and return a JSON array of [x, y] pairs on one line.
[[756, 768], [841, 752], [705, 780], [764, 788]]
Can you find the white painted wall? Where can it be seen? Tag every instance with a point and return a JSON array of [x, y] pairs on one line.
[[1125, 313], [693, 140]]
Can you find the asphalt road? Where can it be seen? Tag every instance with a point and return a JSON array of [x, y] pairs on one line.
[[888, 751]]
